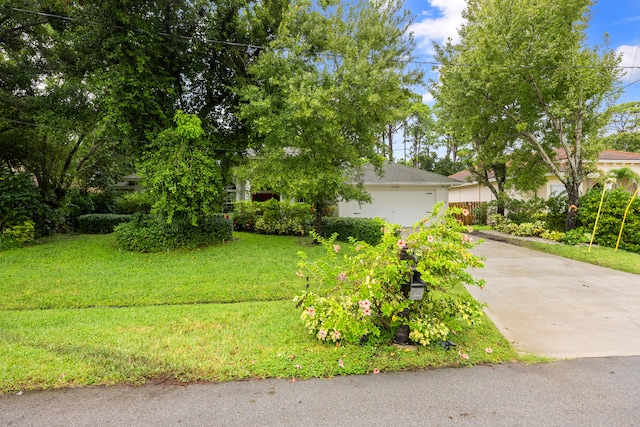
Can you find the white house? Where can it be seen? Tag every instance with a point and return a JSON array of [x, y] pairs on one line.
[[472, 191], [403, 195]]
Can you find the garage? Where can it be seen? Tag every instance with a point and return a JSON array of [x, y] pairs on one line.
[[403, 195]]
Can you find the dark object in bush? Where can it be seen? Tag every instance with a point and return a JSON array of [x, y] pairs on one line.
[[100, 223], [151, 234], [367, 230]]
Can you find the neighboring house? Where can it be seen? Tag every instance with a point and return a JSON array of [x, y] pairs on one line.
[[403, 195], [129, 183], [472, 191]]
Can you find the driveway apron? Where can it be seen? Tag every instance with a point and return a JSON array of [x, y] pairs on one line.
[[556, 307]]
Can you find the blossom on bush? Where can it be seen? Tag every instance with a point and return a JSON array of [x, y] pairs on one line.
[[368, 299]]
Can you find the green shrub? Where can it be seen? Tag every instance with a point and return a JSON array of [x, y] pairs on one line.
[[100, 223], [134, 202], [273, 217], [576, 236], [613, 208], [519, 211], [284, 218], [360, 291], [480, 214], [369, 230], [18, 235], [556, 212], [554, 235], [20, 200], [151, 234], [245, 215]]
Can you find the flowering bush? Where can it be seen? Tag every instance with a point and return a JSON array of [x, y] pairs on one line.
[[356, 293]]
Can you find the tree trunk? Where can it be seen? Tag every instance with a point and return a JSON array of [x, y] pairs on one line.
[[574, 202], [319, 207]]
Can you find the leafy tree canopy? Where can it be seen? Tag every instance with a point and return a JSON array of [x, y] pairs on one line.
[[326, 87]]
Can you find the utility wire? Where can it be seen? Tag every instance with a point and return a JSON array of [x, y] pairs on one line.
[[120, 27], [253, 46]]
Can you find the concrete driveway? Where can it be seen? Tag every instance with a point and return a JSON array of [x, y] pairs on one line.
[[556, 307]]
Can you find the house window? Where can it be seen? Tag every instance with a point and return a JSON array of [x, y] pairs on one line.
[[556, 189]]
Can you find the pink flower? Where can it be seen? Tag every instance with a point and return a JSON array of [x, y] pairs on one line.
[[488, 350], [336, 248], [463, 355], [430, 239], [358, 248], [470, 229], [366, 311], [322, 334], [342, 276], [465, 212], [311, 311], [341, 363], [401, 243], [365, 303], [335, 335], [376, 370]]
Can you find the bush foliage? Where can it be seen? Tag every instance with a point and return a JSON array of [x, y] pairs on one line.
[[152, 234], [614, 205], [18, 235], [357, 291], [273, 217], [369, 230], [134, 202], [100, 223]]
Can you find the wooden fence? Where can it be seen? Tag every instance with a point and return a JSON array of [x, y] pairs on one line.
[[473, 208]]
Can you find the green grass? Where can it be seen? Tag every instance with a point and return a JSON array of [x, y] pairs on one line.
[[75, 311], [88, 271], [602, 256]]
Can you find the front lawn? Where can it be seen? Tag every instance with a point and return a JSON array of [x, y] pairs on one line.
[[75, 311]]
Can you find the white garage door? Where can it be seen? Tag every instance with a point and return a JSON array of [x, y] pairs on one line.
[[398, 206]]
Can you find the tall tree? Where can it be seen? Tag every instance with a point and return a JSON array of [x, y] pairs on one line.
[[528, 65], [330, 82], [624, 127]]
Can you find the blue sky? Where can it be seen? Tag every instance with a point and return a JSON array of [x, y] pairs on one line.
[[436, 20]]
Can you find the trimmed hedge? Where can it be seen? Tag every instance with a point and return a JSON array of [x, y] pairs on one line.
[[273, 217], [369, 230], [100, 223], [615, 203], [150, 234]]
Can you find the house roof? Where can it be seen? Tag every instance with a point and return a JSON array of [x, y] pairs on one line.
[[605, 156], [395, 173], [619, 156]]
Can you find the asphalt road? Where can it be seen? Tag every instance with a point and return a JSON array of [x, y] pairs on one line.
[[580, 392]]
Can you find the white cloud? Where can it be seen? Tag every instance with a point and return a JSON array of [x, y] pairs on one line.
[[427, 98], [439, 28], [630, 58]]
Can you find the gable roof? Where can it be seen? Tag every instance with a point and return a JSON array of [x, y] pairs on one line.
[[395, 173], [619, 155]]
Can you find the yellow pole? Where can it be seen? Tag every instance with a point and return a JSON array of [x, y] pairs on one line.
[[625, 217], [593, 235]]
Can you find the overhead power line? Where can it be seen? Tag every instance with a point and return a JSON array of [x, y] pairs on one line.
[[120, 27], [253, 46]]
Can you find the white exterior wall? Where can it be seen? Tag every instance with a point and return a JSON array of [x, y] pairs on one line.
[[396, 203], [470, 193]]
